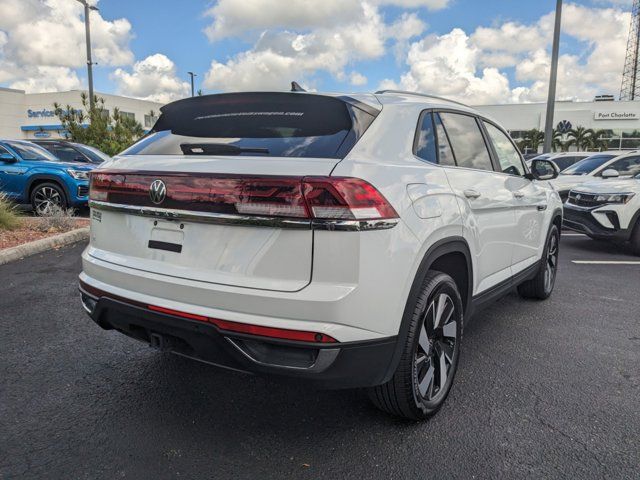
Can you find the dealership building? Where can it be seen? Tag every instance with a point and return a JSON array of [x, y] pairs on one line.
[[31, 115], [617, 121]]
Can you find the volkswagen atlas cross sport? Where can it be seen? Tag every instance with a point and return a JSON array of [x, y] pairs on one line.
[[31, 174], [342, 240]]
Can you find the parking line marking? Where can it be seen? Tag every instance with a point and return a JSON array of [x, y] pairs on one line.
[[606, 262]]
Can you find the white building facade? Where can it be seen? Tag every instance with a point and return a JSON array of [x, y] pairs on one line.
[[617, 121], [31, 115]]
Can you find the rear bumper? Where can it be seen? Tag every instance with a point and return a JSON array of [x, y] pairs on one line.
[[582, 220], [334, 365]]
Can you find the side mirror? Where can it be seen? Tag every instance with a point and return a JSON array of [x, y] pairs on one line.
[[7, 158], [610, 173], [544, 170]]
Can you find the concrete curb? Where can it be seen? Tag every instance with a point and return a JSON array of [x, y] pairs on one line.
[[16, 253]]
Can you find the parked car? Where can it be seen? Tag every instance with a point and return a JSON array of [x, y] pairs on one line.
[[563, 159], [593, 167], [321, 237], [606, 210], [73, 152], [31, 174]]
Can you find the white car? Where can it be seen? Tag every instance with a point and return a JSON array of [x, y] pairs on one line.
[[339, 239], [606, 210], [562, 159], [594, 167]]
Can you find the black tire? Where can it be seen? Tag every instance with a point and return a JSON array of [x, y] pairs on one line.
[[411, 393], [635, 238], [541, 286], [44, 195]]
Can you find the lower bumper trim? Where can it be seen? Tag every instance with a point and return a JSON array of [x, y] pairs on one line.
[[335, 365]]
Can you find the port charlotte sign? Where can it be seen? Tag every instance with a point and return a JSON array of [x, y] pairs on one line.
[[615, 115]]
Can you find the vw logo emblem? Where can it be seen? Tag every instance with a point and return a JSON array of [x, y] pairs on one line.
[[157, 191]]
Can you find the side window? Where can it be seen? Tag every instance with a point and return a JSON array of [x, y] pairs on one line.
[[4, 150], [445, 153], [626, 166], [66, 154], [466, 141], [510, 161], [425, 142]]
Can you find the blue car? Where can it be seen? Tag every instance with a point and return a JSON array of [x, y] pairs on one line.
[[31, 174]]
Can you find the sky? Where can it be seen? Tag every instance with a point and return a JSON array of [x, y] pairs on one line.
[[476, 51]]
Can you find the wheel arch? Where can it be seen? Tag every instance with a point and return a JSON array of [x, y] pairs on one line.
[[41, 178], [451, 256]]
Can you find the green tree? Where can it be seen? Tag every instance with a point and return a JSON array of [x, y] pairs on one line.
[[111, 133], [558, 143], [580, 137], [599, 140], [532, 139]]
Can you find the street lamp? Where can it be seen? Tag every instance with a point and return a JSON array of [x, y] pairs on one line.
[[191, 74], [551, 99], [87, 29]]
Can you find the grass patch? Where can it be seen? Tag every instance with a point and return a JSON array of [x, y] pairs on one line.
[[9, 216]]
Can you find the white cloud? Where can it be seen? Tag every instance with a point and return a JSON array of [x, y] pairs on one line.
[[153, 78], [280, 56], [233, 18], [471, 67], [47, 79], [43, 37], [357, 79]]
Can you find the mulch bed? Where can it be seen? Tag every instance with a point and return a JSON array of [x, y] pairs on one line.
[[30, 229]]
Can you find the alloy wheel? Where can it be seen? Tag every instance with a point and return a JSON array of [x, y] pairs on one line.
[[45, 199], [551, 265], [435, 355]]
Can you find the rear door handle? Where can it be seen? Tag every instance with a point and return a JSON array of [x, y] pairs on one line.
[[472, 194], [518, 194]]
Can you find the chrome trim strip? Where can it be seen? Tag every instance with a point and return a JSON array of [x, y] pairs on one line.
[[226, 219]]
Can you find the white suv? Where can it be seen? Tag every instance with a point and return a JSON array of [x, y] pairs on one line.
[[338, 239], [606, 210], [598, 165]]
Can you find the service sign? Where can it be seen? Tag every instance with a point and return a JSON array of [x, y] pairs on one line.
[[615, 115]]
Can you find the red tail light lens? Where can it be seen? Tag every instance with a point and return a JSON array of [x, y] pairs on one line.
[[326, 198], [345, 198]]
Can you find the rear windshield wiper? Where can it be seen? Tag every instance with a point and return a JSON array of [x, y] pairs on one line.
[[218, 149]]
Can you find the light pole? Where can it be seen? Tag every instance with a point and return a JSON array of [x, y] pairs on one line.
[[551, 99], [191, 74], [87, 29]]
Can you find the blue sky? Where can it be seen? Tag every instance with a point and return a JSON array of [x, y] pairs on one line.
[[480, 51]]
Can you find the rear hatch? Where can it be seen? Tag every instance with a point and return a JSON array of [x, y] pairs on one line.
[[216, 191]]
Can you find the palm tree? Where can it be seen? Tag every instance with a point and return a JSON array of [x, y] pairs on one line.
[[532, 139], [580, 137], [599, 140], [558, 143]]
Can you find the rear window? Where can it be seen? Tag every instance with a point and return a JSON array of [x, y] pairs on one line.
[[258, 124]]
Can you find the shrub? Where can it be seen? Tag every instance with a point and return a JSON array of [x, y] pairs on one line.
[[57, 219], [9, 218]]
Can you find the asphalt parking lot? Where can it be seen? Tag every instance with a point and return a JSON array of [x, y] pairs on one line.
[[544, 390]]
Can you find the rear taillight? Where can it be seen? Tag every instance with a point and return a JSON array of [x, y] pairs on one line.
[[322, 198]]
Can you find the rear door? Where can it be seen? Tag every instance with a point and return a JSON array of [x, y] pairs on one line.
[[528, 200], [483, 195], [212, 194]]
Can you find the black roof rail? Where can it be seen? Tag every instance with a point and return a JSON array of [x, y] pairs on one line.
[[405, 92]]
